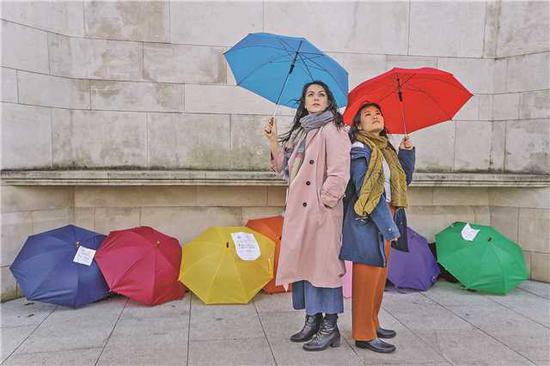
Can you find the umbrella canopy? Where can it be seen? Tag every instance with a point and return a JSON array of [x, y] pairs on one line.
[[410, 99], [213, 270], [416, 269], [488, 262], [45, 270], [142, 264], [272, 227], [277, 67]]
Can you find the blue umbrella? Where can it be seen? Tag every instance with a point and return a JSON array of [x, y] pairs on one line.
[[45, 271], [277, 67]]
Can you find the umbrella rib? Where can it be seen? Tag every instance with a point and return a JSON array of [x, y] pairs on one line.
[[306, 67], [330, 75], [432, 99]]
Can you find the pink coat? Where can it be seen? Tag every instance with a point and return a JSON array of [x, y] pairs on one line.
[[312, 229]]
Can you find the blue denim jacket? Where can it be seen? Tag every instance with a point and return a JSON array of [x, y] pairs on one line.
[[363, 238]]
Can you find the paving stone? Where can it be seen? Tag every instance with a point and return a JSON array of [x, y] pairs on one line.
[[253, 351], [11, 338], [84, 356]]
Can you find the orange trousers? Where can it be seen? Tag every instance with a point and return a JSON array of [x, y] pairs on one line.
[[368, 284]]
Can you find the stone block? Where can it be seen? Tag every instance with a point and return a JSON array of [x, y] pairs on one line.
[[228, 100], [476, 74], [94, 58], [84, 217], [24, 48], [19, 198], [485, 107], [9, 85], [219, 24], [231, 196], [45, 220], [535, 105], [94, 139], [16, 227], [250, 213], [135, 21], [492, 12], [184, 64], [447, 29], [523, 27], [186, 141], [472, 145], [132, 96], [500, 75], [64, 17], [113, 218], [249, 147], [527, 257], [498, 140], [534, 229], [520, 197], [361, 67], [354, 35], [52, 91], [527, 146], [435, 147], [276, 196], [184, 223], [429, 220], [506, 106], [482, 215], [470, 110], [9, 287], [410, 61], [26, 137], [540, 270], [228, 351], [505, 220], [86, 356], [461, 196], [135, 196], [168, 196], [420, 196], [528, 72]]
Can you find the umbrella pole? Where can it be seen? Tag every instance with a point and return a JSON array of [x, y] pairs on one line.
[[286, 79], [400, 94]]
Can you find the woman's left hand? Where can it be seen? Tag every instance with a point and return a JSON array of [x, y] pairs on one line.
[[406, 144]]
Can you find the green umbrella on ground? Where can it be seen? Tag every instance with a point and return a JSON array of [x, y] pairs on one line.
[[481, 258]]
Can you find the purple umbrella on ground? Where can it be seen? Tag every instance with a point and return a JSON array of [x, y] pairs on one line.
[[416, 269]]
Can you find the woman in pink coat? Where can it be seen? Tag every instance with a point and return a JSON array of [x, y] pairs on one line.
[[314, 158]]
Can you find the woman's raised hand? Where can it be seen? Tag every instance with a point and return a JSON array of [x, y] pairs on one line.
[[406, 143], [270, 129]]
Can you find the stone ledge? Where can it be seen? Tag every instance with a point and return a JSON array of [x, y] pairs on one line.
[[240, 178]]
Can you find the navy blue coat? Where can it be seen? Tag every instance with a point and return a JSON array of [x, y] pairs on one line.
[[363, 238]]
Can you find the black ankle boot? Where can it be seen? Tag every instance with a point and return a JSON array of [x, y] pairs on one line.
[[376, 345], [328, 335], [311, 326], [385, 333]]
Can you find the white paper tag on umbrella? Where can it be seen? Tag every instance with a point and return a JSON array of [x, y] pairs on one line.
[[469, 233], [246, 245], [84, 256]]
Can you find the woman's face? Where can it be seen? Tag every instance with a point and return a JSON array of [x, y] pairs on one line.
[[316, 99], [371, 120]]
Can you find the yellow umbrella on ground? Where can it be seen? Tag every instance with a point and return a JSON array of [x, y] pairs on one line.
[[227, 264]]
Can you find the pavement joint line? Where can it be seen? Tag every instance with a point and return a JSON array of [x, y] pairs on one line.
[[189, 328], [518, 313], [533, 293], [483, 331], [111, 332], [265, 334], [31, 333], [354, 350], [435, 349]]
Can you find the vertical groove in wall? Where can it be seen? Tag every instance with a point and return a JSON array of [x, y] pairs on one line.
[[409, 31]]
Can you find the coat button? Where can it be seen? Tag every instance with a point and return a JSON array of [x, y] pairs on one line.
[[311, 161], [304, 204], [308, 183]]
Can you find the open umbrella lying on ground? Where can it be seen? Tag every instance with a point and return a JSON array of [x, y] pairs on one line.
[[46, 269], [416, 269], [481, 258], [142, 264], [411, 99], [227, 265], [272, 227], [276, 67]]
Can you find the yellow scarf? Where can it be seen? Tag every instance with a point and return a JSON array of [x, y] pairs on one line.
[[373, 183]]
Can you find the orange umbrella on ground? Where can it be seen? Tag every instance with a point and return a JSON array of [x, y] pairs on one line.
[[272, 227]]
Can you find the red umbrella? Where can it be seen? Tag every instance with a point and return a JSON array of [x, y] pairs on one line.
[[272, 227], [142, 264], [411, 99]]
